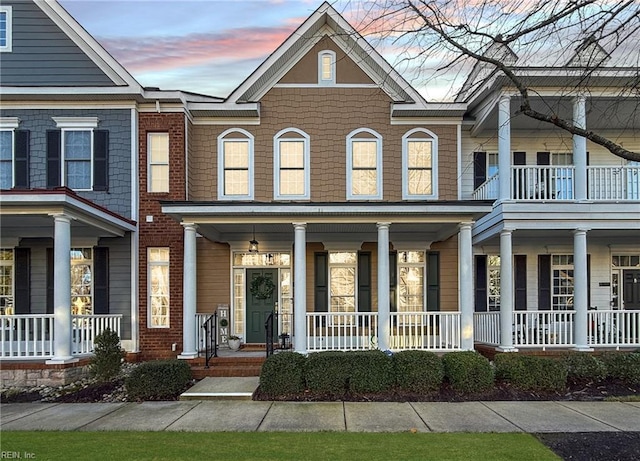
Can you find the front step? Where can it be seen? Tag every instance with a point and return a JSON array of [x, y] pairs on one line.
[[227, 367], [222, 389]]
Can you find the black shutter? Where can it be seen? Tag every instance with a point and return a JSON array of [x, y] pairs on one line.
[[21, 157], [101, 160], [101, 280], [321, 283], [433, 281], [393, 282], [519, 158], [481, 283], [543, 158], [588, 280], [544, 282], [364, 282], [54, 139], [22, 295], [520, 285], [479, 168], [50, 281]]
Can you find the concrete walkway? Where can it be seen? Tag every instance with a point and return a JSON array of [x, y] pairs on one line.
[[248, 416]]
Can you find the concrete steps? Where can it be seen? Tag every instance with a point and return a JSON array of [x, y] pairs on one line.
[[222, 388], [242, 364]]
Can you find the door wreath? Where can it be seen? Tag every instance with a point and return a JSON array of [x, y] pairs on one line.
[[262, 287]]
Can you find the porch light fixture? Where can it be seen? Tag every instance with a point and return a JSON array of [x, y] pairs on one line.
[[253, 244]]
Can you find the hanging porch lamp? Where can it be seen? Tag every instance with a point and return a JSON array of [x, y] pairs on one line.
[[253, 243]]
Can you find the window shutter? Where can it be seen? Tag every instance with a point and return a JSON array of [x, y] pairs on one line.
[[321, 283], [519, 158], [22, 295], [520, 285], [21, 158], [543, 158], [50, 281], [101, 280], [393, 282], [588, 280], [481, 283], [433, 281], [544, 282], [364, 282], [101, 160], [479, 168], [54, 139]]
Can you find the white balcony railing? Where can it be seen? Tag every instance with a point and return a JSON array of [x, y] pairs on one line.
[[613, 183], [488, 190], [436, 331], [613, 328], [25, 337], [542, 182]]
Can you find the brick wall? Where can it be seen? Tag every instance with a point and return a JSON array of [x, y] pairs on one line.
[[162, 232]]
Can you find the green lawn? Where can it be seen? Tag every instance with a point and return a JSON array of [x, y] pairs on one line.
[[272, 446]]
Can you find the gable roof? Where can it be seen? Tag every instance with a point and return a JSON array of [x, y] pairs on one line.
[[325, 21]]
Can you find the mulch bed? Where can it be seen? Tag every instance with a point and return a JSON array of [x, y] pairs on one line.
[[594, 446]]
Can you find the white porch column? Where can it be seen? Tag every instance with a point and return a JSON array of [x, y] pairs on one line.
[[580, 149], [383, 285], [62, 291], [506, 292], [189, 296], [300, 288], [580, 287], [465, 263], [504, 148]]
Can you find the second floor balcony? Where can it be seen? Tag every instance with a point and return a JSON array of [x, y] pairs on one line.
[[548, 183]]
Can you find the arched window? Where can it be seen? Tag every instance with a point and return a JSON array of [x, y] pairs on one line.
[[291, 165], [364, 165], [327, 67], [235, 165], [419, 165]]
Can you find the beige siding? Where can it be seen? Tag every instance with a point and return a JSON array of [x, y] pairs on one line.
[[448, 273], [214, 275]]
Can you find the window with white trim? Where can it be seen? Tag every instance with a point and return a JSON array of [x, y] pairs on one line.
[[342, 278], [6, 29], [6, 159], [419, 165], [81, 281], [158, 161], [493, 282], [6, 281], [158, 287], [562, 282], [291, 164], [364, 165], [77, 151], [411, 280], [327, 67], [235, 165]]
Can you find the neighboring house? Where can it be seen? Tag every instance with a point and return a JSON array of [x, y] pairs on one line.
[[68, 180], [557, 261], [347, 181]]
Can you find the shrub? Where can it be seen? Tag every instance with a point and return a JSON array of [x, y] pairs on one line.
[[530, 373], [624, 366], [371, 372], [107, 356], [283, 374], [328, 373], [583, 367], [158, 380], [418, 371], [468, 371]]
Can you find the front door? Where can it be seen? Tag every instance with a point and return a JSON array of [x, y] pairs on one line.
[[261, 296], [631, 289]]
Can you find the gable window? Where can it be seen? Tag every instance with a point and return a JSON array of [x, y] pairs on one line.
[[235, 165], [419, 165], [81, 281], [6, 282], [364, 165], [158, 287], [6, 32], [291, 164], [77, 154], [411, 267], [158, 160], [327, 67]]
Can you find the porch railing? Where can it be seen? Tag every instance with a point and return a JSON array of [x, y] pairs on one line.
[[347, 331], [486, 327], [488, 190], [542, 182], [613, 328], [201, 340], [24, 337], [438, 331], [613, 183], [543, 328]]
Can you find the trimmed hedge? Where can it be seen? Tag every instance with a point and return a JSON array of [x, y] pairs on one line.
[[107, 356], [623, 366], [283, 374], [418, 371], [158, 380], [531, 373], [583, 367], [468, 371], [371, 372]]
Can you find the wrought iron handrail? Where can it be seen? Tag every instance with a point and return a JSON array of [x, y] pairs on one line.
[[210, 338], [268, 327]]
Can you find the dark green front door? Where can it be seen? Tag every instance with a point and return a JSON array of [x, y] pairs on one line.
[[259, 306]]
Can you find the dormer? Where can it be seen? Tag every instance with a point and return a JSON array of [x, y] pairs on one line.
[[589, 54]]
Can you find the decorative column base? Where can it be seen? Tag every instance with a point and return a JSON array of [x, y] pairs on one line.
[[188, 356], [506, 349]]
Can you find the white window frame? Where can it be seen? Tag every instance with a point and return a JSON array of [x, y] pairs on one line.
[[12, 264], [150, 265], [431, 137], [493, 265], [83, 262], [151, 163], [351, 138], [72, 124], [227, 136], [354, 266], [277, 139], [332, 79], [422, 265], [8, 46], [560, 267], [10, 124]]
